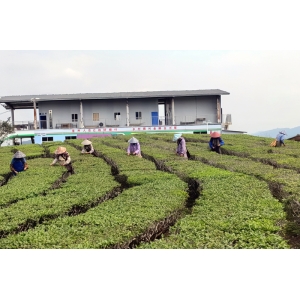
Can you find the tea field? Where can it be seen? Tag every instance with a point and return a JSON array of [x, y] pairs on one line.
[[246, 198]]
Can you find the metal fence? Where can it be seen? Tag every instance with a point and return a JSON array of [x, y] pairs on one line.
[[199, 119]]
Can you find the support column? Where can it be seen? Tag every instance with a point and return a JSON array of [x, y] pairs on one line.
[[218, 110], [173, 112], [12, 111], [34, 112], [34, 115], [127, 113], [81, 125]]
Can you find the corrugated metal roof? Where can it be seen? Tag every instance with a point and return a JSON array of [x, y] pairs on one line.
[[24, 101]]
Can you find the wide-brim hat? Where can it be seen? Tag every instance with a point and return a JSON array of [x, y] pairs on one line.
[[282, 132], [86, 142], [133, 140], [60, 150], [19, 154], [176, 136], [215, 134]]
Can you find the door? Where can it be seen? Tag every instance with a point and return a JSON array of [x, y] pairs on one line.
[[154, 116], [43, 122]]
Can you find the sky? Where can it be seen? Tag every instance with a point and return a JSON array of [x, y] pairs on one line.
[[247, 48], [262, 75], [264, 85]]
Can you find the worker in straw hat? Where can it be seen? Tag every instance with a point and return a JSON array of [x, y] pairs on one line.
[[181, 149], [64, 159], [216, 142], [87, 147], [18, 163], [280, 139], [134, 147]]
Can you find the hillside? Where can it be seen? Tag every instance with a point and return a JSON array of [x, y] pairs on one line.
[[273, 132], [245, 198]]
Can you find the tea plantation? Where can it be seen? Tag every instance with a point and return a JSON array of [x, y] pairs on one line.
[[246, 198]]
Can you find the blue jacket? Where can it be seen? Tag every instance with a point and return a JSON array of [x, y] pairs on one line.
[[280, 137], [221, 142], [18, 164]]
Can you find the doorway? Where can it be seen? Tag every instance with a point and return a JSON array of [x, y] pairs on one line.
[[165, 111], [43, 122], [154, 117]]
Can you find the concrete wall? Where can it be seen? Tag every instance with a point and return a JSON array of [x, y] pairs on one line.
[[61, 111], [187, 110]]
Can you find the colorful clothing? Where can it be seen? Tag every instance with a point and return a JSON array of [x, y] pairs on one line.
[[18, 164], [280, 139], [134, 148], [181, 147], [215, 144]]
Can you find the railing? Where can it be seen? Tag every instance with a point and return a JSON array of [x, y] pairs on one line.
[[24, 125], [198, 119], [65, 125]]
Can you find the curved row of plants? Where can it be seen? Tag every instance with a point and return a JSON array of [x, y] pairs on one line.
[[224, 209], [33, 182], [284, 183], [92, 182], [134, 215], [6, 155], [242, 214]]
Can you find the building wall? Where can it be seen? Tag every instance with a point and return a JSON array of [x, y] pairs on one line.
[[188, 109], [106, 110], [146, 107], [61, 111]]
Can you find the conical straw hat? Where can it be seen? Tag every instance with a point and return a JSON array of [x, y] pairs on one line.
[[133, 140], [60, 150], [19, 154], [176, 136], [86, 142]]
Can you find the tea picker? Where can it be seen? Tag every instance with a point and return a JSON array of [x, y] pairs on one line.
[[181, 145], [134, 147], [215, 142], [18, 163], [87, 147], [64, 159]]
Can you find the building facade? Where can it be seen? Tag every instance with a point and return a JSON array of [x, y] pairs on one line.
[[193, 110]]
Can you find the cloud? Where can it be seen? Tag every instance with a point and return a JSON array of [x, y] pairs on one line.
[[72, 73], [264, 86]]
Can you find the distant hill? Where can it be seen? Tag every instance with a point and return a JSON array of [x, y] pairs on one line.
[[273, 132]]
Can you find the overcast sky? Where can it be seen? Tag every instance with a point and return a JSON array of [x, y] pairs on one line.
[[264, 85], [262, 76]]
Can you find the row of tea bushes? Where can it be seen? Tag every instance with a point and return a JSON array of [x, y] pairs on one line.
[[283, 179], [152, 198], [37, 179], [6, 155], [237, 206], [110, 224], [91, 181], [284, 182], [5, 158]]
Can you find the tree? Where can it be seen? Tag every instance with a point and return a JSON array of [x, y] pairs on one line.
[[5, 129]]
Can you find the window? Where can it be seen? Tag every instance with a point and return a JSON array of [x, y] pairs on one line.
[[96, 117], [117, 116], [70, 137], [47, 139], [74, 117], [138, 115]]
